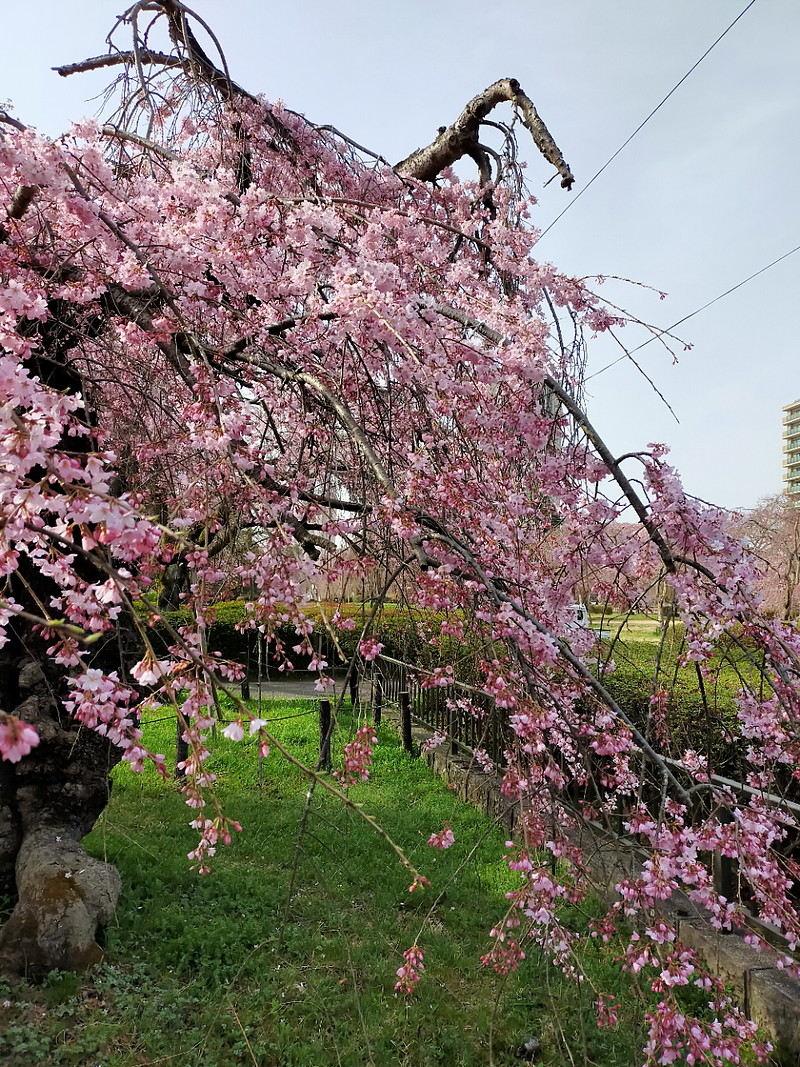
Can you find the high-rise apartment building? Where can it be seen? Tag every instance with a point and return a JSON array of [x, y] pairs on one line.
[[791, 451]]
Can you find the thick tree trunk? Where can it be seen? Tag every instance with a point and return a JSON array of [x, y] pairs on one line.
[[48, 801], [63, 896], [52, 797], [175, 582]]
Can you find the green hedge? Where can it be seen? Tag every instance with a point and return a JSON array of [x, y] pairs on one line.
[[704, 719], [405, 635]]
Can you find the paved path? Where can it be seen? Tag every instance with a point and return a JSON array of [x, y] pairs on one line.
[[300, 685]]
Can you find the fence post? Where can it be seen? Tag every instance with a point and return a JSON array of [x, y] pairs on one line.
[[725, 869], [181, 751], [377, 698], [246, 679], [324, 763], [725, 880], [354, 678], [405, 721]]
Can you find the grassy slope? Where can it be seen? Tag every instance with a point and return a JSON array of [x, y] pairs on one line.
[[192, 962]]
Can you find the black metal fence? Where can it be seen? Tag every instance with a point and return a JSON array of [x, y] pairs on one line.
[[465, 714], [472, 719]]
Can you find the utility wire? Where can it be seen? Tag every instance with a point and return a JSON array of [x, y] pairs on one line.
[[643, 124], [692, 314]]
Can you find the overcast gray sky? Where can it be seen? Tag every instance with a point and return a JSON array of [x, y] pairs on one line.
[[704, 196]]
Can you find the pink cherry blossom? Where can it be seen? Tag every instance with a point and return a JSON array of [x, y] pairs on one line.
[[443, 839], [17, 739], [433, 741], [411, 971], [358, 756], [361, 368], [150, 671], [370, 648]]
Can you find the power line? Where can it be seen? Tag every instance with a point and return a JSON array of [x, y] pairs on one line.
[[643, 124], [692, 314]]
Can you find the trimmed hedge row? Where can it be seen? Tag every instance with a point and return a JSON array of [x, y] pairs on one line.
[[414, 637], [703, 719]]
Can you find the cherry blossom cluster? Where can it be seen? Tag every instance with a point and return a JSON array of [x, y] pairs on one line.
[[370, 648], [339, 375], [358, 757], [432, 742], [17, 738], [675, 1038], [100, 702], [443, 839], [409, 974]]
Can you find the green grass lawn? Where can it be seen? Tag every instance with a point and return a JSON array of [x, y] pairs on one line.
[[630, 627], [218, 971]]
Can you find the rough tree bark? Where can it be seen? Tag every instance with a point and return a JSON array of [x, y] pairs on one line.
[[50, 800], [453, 142], [463, 137]]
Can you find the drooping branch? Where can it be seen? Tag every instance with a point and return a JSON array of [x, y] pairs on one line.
[[493, 589], [143, 142], [185, 40], [7, 119], [191, 58], [351, 425], [353, 507], [462, 138], [23, 197], [24, 194], [337, 405], [669, 558], [119, 301], [500, 597], [580, 417], [454, 142], [189, 66]]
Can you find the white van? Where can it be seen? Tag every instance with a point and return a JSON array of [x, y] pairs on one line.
[[580, 616]]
